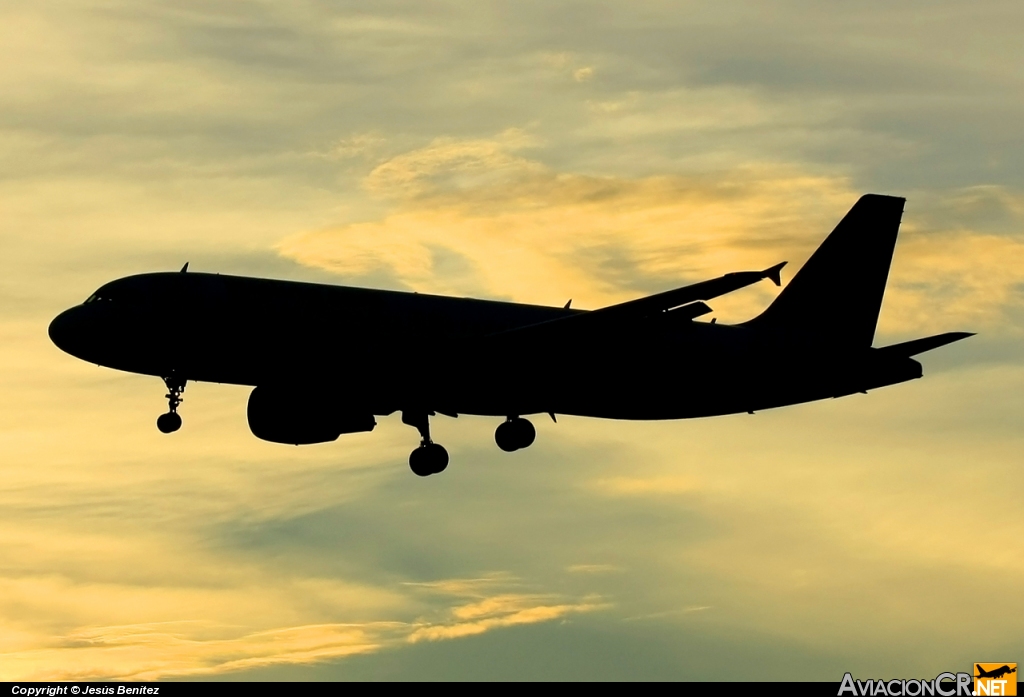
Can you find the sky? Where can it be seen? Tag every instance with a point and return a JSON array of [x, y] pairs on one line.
[[535, 152]]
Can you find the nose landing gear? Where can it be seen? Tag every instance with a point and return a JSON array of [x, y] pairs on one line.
[[171, 421], [430, 458], [516, 433]]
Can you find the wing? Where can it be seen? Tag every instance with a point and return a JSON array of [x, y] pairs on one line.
[[682, 302]]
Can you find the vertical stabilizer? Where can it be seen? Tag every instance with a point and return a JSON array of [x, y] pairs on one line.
[[835, 298]]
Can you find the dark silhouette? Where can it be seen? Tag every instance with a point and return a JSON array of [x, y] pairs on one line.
[[326, 359], [996, 673]]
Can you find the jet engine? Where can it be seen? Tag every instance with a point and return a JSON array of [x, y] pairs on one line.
[[297, 417]]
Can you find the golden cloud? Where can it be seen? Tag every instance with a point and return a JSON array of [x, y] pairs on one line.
[[154, 651], [955, 277], [466, 587], [500, 611], [477, 217], [226, 641]]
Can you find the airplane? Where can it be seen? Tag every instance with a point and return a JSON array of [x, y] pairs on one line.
[[996, 673], [326, 360]]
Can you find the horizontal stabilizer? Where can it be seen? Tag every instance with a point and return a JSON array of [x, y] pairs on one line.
[[912, 348]]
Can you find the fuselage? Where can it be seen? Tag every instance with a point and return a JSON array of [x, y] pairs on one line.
[[384, 351]]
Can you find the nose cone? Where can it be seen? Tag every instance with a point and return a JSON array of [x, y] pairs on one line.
[[66, 331]]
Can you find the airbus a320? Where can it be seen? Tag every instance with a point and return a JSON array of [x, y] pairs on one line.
[[327, 360]]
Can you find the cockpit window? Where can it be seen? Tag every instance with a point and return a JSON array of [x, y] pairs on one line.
[[95, 297]]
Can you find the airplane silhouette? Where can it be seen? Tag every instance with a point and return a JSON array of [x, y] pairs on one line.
[[995, 673], [325, 360]]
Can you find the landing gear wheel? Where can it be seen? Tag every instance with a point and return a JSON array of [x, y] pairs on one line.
[[428, 459], [419, 462], [505, 437], [525, 432], [169, 422], [514, 434], [438, 457]]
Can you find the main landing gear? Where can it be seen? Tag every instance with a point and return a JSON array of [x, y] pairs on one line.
[[430, 458], [514, 434], [171, 421]]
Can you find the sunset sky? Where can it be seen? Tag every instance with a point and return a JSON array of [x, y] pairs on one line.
[[536, 152]]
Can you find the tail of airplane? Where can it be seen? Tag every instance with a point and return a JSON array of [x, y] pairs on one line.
[[836, 297]]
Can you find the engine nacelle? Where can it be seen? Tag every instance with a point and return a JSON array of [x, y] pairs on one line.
[[302, 417]]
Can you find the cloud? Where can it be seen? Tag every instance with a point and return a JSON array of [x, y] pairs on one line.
[[156, 651], [466, 587], [592, 568], [496, 612], [969, 280], [583, 74], [538, 153], [206, 646], [358, 145], [523, 230], [451, 166], [477, 217], [652, 486]]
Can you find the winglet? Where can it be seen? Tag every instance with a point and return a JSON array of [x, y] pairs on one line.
[[774, 273], [184, 269]]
